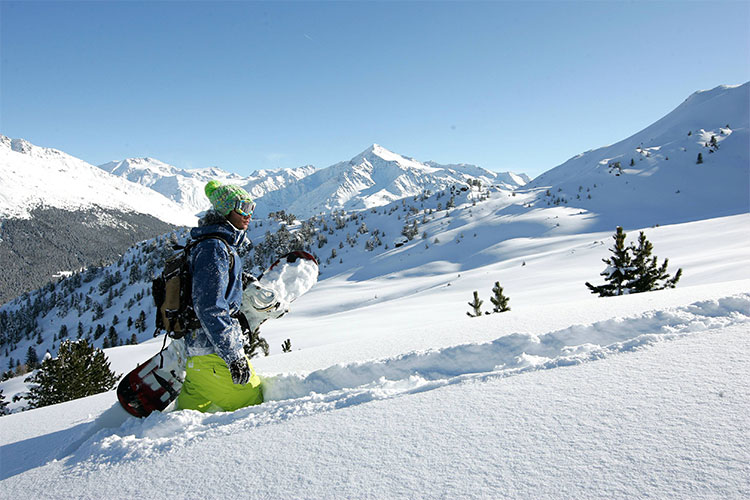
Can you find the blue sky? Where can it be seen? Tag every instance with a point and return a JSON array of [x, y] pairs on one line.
[[519, 86]]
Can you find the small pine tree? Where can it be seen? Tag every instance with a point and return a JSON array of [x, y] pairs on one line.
[[286, 346], [618, 271], [633, 269], [476, 304], [256, 342], [79, 370], [3, 404], [499, 300], [700, 159], [647, 274]]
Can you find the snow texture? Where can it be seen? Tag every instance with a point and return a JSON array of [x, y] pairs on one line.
[[291, 279]]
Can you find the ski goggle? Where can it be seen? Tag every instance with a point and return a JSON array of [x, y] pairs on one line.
[[244, 207]]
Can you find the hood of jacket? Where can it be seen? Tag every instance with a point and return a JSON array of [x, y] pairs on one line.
[[213, 223]]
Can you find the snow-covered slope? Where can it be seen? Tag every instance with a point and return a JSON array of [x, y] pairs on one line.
[[33, 176], [400, 395], [186, 187], [654, 176], [375, 178]]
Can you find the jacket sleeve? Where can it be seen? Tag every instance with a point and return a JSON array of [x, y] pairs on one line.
[[210, 288]]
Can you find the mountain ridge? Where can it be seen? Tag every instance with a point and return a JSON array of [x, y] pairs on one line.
[[374, 177]]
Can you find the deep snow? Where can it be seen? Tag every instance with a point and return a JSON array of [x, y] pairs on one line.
[[565, 395]]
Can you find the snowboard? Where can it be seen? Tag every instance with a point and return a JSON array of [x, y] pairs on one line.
[[155, 384]]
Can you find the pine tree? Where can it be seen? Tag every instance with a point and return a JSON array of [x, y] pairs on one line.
[[647, 274], [100, 329], [286, 346], [3, 404], [79, 370], [619, 269], [700, 158], [476, 304], [114, 339], [499, 300], [633, 269], [32, 359], [256, 342], [140, 322]]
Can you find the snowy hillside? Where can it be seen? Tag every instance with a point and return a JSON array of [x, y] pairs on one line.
[[185, 187], [395, 392], [657, 172], [375, 178], [59, 214], [33, 176]]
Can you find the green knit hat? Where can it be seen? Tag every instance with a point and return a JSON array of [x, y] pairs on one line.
[[225, 196]]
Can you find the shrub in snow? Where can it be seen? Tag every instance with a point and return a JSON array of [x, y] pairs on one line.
[[633, 269], [647, 274], [79, 370], [286, 346], [498, 299], [410, 230], [256, 342], [618, 268], [476, 305], [3, 404]]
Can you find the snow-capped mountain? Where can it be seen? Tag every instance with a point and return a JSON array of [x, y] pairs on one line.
[[34, 176], [185, 187], [375, 178], [60, 214], [692, 164]]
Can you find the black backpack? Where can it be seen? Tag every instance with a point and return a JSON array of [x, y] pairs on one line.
[[173, 291]]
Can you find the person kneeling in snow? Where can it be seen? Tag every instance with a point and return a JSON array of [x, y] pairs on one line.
[[219, 375]]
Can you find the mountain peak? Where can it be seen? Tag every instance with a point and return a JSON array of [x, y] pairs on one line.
[[378, 152]]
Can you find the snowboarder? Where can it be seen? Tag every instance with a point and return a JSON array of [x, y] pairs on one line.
[[219, 375]]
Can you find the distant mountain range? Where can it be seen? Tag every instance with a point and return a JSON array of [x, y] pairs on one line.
[[373, 178], [185, 187], [59, 213]]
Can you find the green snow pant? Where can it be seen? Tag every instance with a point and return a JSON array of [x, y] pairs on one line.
[[208, 387]]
